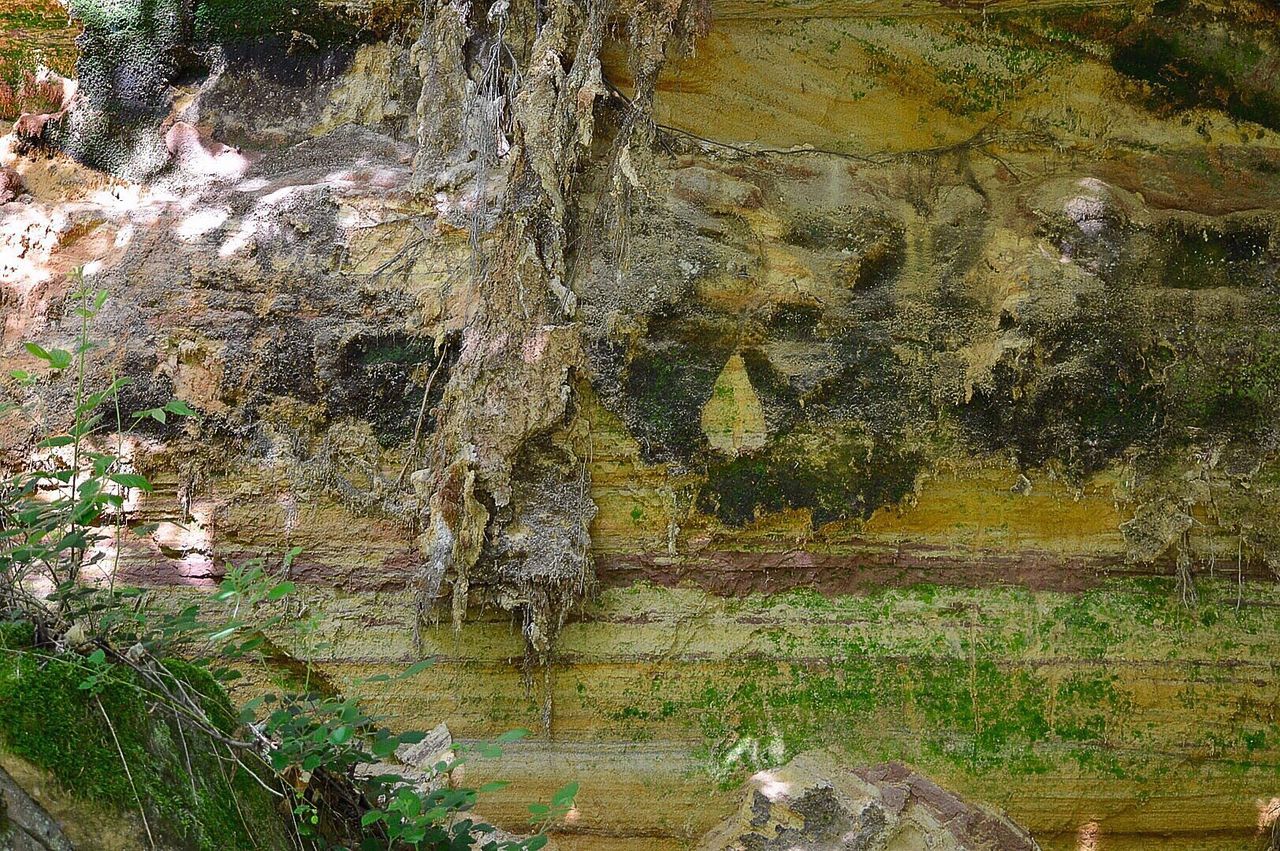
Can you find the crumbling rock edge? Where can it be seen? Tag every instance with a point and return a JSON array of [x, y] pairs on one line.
[[814, 803]]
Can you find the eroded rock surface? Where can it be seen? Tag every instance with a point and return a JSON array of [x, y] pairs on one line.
[[974, 299], [814, 804], [24, 824]]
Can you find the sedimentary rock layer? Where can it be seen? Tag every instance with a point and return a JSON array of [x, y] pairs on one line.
[[909, 387]]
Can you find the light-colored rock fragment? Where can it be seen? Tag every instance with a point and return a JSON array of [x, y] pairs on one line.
[[815, 804], [733, 418]]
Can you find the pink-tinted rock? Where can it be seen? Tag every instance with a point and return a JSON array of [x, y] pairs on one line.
[[10, 185]]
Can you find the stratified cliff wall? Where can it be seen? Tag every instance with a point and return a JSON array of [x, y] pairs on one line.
[[708, 385]]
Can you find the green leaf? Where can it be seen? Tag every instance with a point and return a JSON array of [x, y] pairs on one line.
[[131, 480], [340, 735], [55, 442], [415, 669], [371, 817], [102, 463], [533, 843], [156, 414], [494, 786], [97, 657], [179, 407], [59, 358], [249, 711], [226, 632], [564, 795], [539, 809], [511, 736], [282, 590], [86, 425]]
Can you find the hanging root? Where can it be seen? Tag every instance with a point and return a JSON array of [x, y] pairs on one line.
[[508, 132], [1186, 577]]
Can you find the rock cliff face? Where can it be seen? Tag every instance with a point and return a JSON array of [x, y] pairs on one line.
[[705, 385]]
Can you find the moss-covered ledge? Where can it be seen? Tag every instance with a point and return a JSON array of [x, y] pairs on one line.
[[1118, 704], [110, 784]]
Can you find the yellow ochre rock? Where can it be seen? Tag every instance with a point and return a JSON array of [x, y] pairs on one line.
[[733, 418]]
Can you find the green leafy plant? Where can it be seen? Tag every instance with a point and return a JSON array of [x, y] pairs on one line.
[[58, 513]]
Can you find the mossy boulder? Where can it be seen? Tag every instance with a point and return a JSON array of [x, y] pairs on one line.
[[121, 751]]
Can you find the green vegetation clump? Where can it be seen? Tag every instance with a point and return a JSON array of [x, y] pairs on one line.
[[976, 683], [839, 472], [149, 729], [144, 756]]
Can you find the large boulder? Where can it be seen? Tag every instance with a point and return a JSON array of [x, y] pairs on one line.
[[815, 804]]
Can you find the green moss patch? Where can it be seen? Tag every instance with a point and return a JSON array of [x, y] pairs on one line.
[[838, 472], [34, 33], [1227, 384], [380, 378], [1082, 395], [16, 635], [670, 377], [1121, 684], [1188, 62], [1234, 254], [194, 796]]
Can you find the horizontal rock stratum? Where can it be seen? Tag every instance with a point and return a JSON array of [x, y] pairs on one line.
[[705, 385]]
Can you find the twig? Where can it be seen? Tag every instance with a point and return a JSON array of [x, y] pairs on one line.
[[127, 773], [186, 752], [422, 414], [231, 789]]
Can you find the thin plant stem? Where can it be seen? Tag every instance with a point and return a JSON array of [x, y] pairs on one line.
[[127, 773], [82, 343]]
